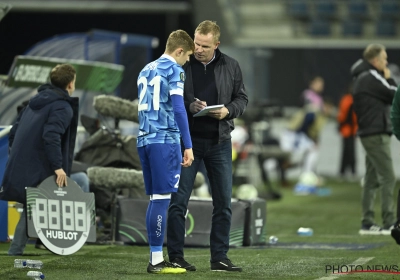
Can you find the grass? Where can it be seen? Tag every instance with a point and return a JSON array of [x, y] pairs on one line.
[[335, 219]]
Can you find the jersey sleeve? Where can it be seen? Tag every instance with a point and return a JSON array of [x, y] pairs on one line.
[[176, 84], [176, 81], [181, 120]]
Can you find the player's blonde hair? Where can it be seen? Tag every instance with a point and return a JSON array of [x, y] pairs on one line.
[[209, 26], [179, 39]]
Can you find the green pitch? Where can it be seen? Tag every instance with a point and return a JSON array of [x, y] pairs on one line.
[[336, 243]]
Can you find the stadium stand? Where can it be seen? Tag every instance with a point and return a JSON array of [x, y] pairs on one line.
[[320, 27], [298, 9], [357, 9], [326, 9], [390, 9], [352, 27], [386, 28]]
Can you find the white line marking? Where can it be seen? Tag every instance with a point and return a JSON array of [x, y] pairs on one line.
[[359, 261]]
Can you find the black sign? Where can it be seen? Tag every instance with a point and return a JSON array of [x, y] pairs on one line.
[[63, 218], [132, 222]]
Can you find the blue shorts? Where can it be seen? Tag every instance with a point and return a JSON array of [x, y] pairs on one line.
[[161, 164]]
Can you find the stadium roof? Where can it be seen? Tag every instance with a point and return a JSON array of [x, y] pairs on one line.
[[4, 9], [104, 6]]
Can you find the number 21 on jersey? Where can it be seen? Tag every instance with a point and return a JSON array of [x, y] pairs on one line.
[[156, 84]]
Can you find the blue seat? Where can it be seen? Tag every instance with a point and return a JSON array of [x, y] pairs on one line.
[[357, 9], [386, 27], [298, 9], [326, 8], [390, 8], [352, 27], [319, 27]]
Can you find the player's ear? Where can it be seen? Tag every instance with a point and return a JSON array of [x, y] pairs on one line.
[[70, 87], [179, 52]]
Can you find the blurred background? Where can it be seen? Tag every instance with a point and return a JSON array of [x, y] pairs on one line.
[[280, 45]]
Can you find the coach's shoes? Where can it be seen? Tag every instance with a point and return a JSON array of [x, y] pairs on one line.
[[370, 230], [164, 268], [387, 231], [225, 265], [180, 262], [396, 233]]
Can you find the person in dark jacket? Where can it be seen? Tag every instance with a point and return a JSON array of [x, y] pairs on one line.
[[41, 143], [373, 95], [212, 78]]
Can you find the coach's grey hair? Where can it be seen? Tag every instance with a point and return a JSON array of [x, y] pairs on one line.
[[372, 51]]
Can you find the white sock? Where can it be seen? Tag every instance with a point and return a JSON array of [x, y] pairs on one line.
[[156, 257]]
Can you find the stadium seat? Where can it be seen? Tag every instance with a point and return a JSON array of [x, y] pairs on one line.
[[352, 27], [298, 9], [320, 27], [389, 9], [386, 27], [326, 9], [357, 9]]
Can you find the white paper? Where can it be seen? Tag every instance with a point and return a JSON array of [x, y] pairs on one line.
[[207, 109]]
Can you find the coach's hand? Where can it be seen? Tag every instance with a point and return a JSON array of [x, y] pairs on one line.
[[61, 179], [188, 158], [197, 106], [386, 73], [219, 114]]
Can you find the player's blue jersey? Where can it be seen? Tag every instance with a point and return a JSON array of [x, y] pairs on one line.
[[156, 83]]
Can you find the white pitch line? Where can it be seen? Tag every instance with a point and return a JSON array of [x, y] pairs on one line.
[[359, 261]]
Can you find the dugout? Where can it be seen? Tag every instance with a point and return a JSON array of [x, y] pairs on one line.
[[129, 50]]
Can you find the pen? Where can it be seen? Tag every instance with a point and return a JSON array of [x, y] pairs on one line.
[[196, 99]]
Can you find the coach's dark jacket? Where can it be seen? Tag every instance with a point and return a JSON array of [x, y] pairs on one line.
[[41, 141], [231, 92], [373, 95]]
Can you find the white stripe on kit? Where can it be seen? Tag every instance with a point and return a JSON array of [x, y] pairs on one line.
[[382, 79]]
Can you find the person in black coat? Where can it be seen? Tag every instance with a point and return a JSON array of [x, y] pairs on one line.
[[41, 143], [212, 78], [373, 93]]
